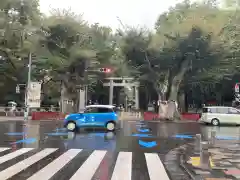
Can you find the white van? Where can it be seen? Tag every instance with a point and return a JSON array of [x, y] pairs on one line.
[[217, 115]]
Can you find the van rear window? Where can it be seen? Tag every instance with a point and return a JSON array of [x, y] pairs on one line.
[[205, 110]]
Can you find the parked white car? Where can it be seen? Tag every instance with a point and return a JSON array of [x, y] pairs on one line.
[[217, 115]]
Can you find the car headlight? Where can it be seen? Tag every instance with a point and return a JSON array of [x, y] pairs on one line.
[[66, 116]]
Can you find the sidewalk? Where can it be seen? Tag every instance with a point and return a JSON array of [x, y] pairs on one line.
[[223, 158], [14, 118]]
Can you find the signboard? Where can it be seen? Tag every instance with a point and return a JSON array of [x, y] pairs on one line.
[[236, 88], [34, 94]]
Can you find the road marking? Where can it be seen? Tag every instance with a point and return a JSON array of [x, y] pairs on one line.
[[4, 149], [155, 167], [87, 170], [12, 170], [14, 154], [48, 171], [123, 167]]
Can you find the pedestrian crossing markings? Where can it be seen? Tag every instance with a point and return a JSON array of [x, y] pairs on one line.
[[122, 169]]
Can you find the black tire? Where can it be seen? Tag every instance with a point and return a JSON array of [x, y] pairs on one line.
[[71, 126], [111, 126], [215, 122]]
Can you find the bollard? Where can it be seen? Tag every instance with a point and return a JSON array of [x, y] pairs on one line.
[[239, 136], [197, 145], [121, 124], [213, 138], [204, 156]]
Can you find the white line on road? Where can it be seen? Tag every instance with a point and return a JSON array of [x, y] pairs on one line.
[[12, 170], [123, 167], [48, 171], [156, 169], [3, 149], [14, 154], [87, 170]]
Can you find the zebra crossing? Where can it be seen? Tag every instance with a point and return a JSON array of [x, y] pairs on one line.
[[14, 168]]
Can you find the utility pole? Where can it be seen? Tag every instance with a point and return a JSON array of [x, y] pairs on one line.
[[26, 114]]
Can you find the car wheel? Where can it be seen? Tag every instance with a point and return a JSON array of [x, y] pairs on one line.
[[110, 126], [71, 126], [215, 122]]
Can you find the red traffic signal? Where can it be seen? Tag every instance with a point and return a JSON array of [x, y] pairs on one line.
[[105, 70], [237, 88]]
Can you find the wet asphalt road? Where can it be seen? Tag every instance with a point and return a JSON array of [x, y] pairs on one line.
[[48, 134], [155, 138]]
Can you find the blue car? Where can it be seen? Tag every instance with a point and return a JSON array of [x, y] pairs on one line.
[[93, 116]]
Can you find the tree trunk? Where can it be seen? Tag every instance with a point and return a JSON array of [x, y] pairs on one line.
[[182, 102], [66, 99], [172, 108]]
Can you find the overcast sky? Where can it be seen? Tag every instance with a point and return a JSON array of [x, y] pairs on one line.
[[105, 12]]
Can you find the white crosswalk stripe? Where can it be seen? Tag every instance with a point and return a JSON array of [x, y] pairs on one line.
[[48, 171], [14, 154], [11, 171], [122, 169], [154, 161], [4, 149], [123, 166], [87, 170]]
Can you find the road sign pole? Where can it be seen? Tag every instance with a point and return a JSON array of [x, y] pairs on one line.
[[26, 112]]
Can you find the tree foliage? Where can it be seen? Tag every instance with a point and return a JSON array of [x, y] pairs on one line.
[[194, 44]]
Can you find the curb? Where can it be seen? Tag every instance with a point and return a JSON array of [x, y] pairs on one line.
[[190, 174]]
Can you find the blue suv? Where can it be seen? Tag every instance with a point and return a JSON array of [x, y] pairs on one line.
[[93, 116]]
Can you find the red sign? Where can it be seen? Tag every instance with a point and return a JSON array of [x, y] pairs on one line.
[[236, 88]]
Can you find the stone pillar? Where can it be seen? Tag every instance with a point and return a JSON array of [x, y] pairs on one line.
[[136, 97], [111, 92], [82, 94]]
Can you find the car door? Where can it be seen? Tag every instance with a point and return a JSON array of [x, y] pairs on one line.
[[90, 115], [234, 115], [103, 116], [223, 116]]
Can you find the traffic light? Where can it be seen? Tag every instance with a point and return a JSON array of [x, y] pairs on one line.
[[105, 70], [17, 89], [236, 88]]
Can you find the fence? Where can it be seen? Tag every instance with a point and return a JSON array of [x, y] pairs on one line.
[[53, 113], [6, 111], [148, 116]]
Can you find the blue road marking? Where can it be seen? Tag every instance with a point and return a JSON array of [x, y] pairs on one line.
[[143, 130], [141, 125], [142, 135], [226, 138], [26, 141], [147, 144], [97, 134], [15, 133], [60, 129], [57, 134], [183, 136]]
